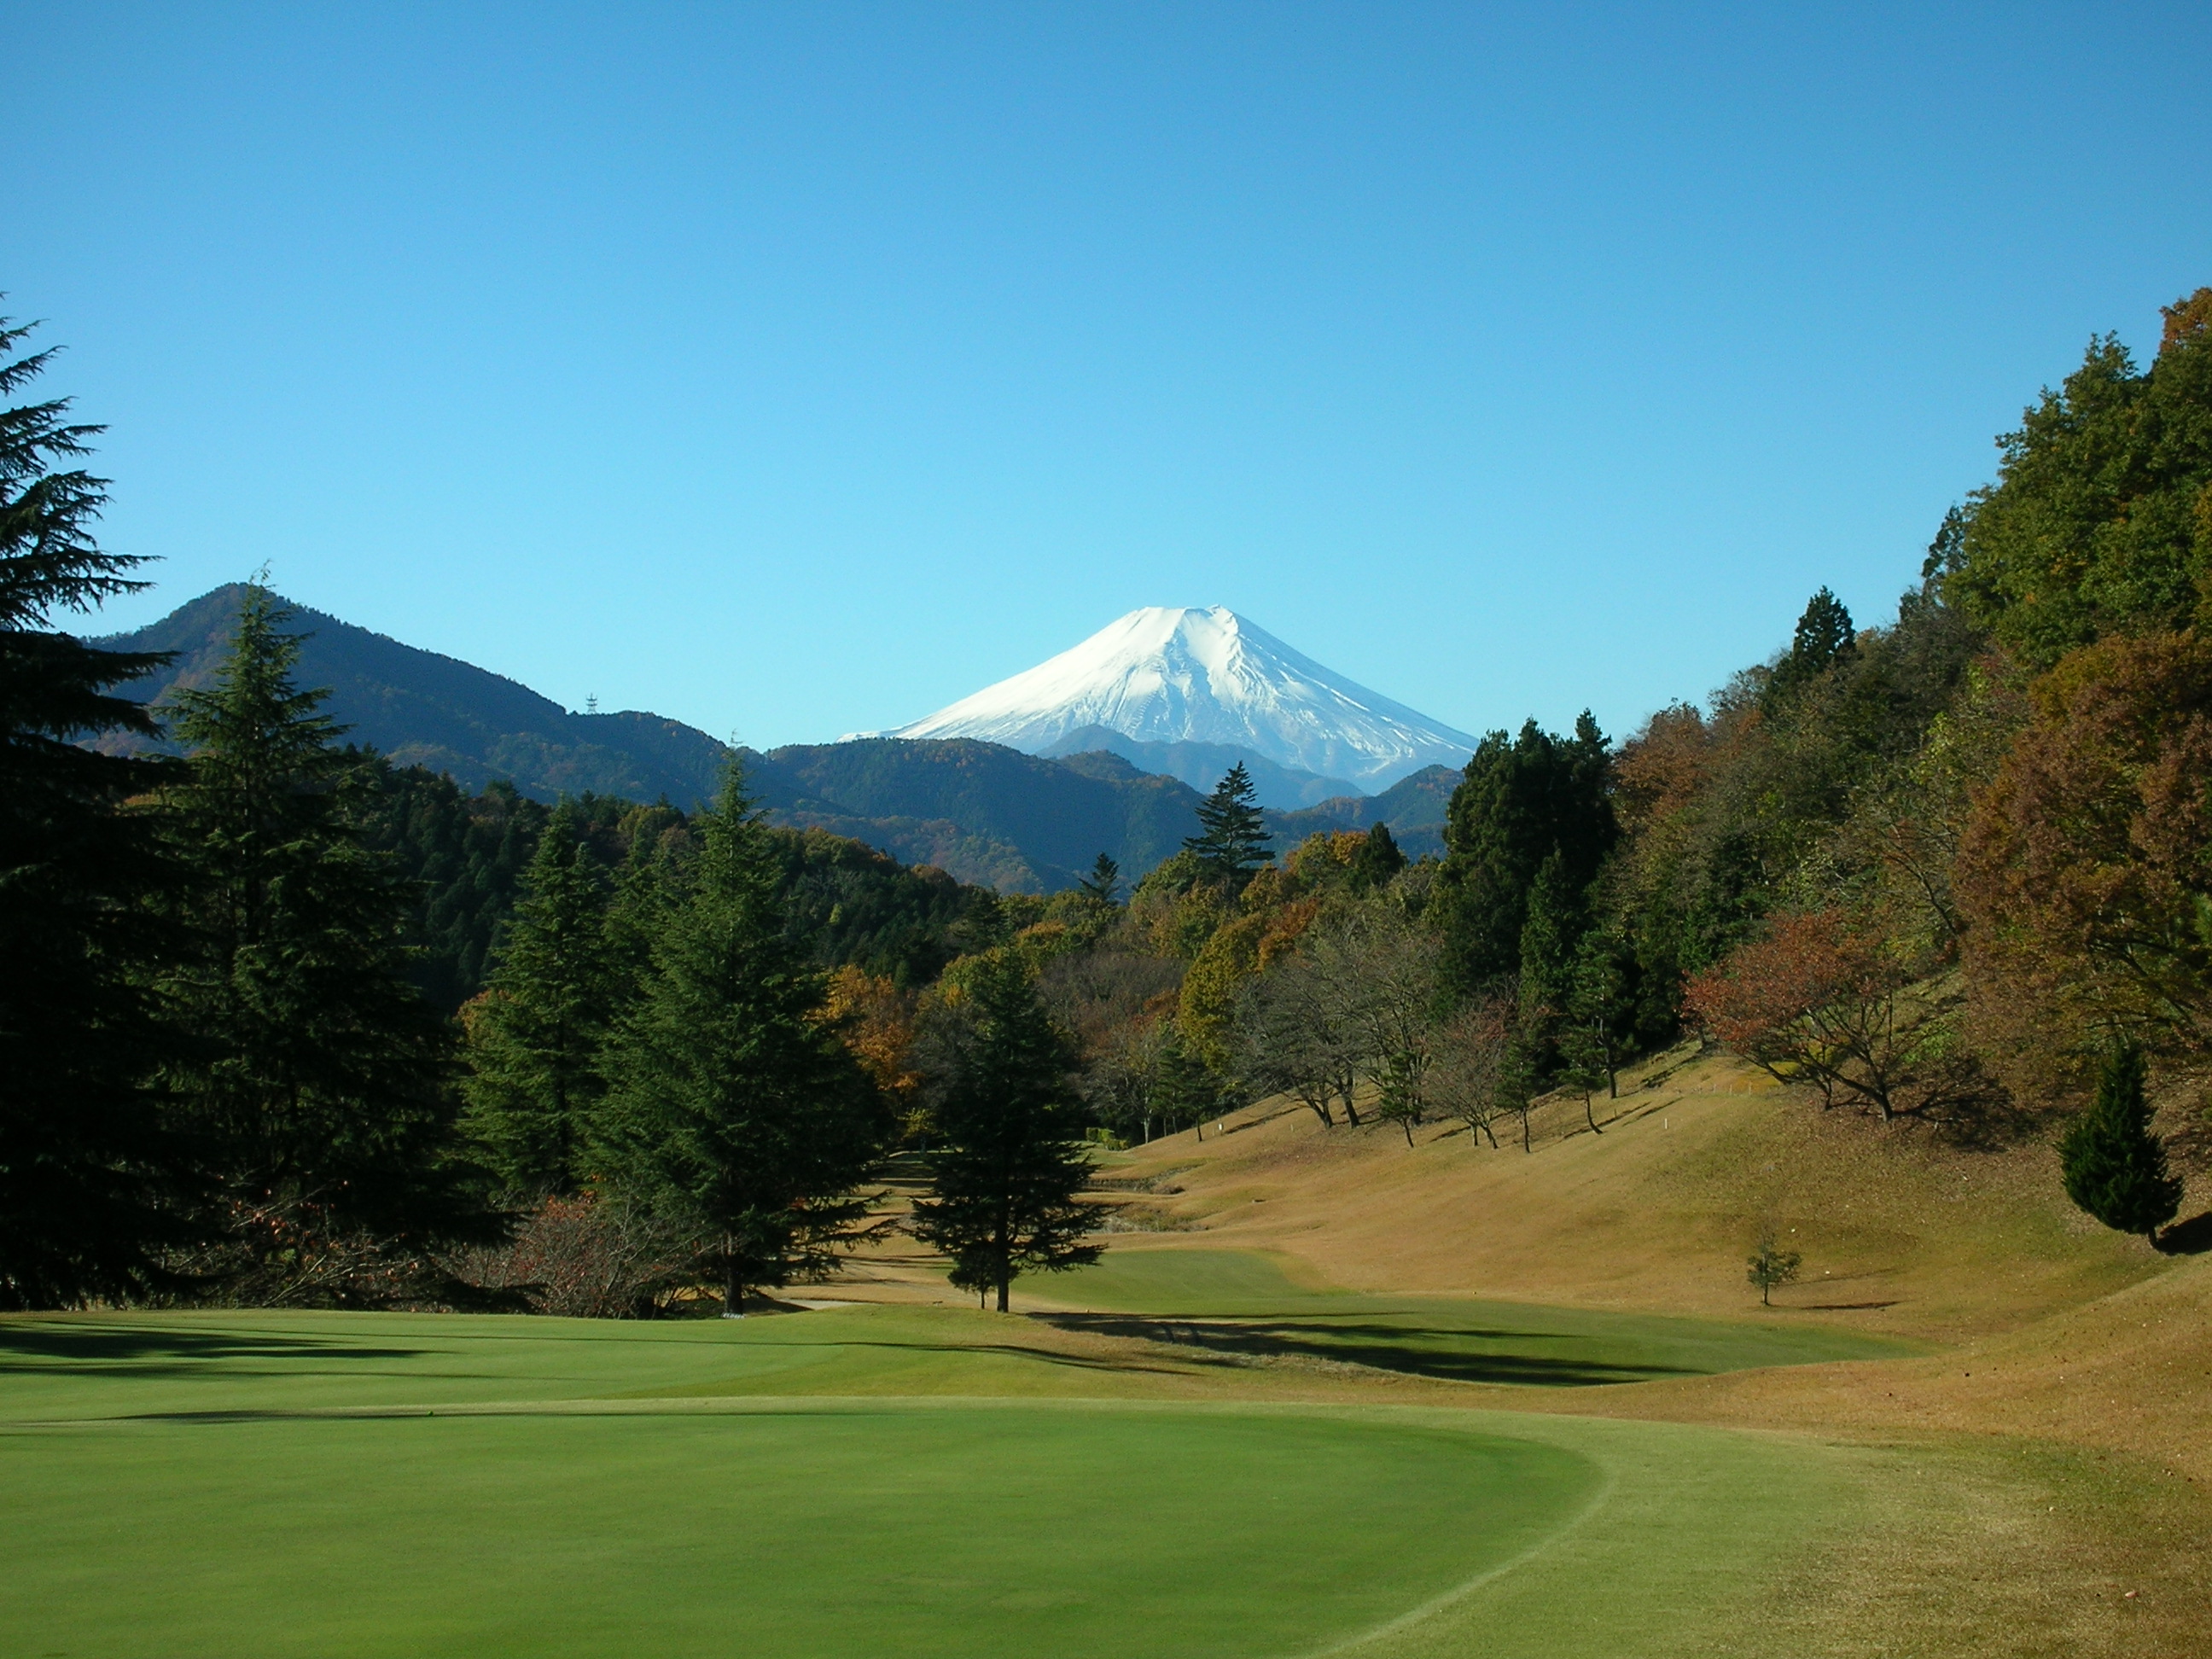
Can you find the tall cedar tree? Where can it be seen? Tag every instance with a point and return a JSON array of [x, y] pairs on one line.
[[1103, 883], [1232, 842], [1824, 637], [81, 1150], [1600, 1013], [535, 1034], [1378, 861], [733, 1111], [1524, 802], [1003, 1183], [2115, 1168], [321, 1094]]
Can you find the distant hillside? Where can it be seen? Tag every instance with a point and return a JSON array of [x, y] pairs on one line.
[[1414, 807], [1200, 765], [421, 708], [1020, 821], [980, 812]]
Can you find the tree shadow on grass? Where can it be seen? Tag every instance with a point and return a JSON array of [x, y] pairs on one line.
[[2189, 1238], [152, 1350], [1418, 1351], [1011, 1350]]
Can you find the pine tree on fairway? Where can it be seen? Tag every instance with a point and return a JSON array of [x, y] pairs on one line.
[[536, 1035], [82, 1158], [733, 1108], [320, 1094], [1185, 1090], [1004, 1181], [1232, 838], [2115, 1168]]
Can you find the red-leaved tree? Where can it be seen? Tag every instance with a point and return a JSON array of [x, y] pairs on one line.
[[1815, 1001]]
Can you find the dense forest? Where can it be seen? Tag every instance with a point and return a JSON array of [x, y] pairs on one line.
[[286, 1022]]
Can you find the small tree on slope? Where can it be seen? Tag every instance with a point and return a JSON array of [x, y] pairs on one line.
[[1004, 1181], [1771, 1265], [2115, 1168]]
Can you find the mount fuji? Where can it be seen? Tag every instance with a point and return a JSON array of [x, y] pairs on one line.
[[1170, 676]]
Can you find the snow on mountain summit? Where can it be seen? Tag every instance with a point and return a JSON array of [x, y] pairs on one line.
[[1166, 674]]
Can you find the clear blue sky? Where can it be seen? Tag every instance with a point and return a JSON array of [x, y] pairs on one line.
[[796, 369]]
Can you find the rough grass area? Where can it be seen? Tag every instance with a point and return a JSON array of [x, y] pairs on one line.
[[1903, 1234]]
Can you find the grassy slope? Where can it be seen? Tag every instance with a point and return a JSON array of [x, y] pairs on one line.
[[2048, 1457], [1902, 1235]]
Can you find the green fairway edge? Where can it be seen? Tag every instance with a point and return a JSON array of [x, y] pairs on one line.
[[1670, 1554]]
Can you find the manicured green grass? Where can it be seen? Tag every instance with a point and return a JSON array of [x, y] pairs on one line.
[[362, 1484], [1242, 1302], [872, 1530]]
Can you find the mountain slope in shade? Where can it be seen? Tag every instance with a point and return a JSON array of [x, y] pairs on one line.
[[422, 708], [983, 812], [1166, 675], [1414, 807], [1201, 764]]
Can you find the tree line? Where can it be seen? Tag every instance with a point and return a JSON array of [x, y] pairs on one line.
[[234, 1068], [286, 1023], [1950, 869]]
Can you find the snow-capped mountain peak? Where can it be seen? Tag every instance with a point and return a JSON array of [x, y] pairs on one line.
[[1171, 675]]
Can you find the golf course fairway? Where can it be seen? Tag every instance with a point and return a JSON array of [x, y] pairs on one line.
[[364, 1485]]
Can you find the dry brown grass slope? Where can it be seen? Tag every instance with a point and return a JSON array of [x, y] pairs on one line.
[[1902, 1233]]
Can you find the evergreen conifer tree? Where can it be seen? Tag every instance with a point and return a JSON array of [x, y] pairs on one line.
[[1187, 1092], [1378, 861], [84, 1166], [1598, 1015], [2114, 1167], [1232, 839], [732, 1110], [1524, 801], [1103, 883], [320, 1093], [535, 1036], [1003, 1180], [1824, 637]]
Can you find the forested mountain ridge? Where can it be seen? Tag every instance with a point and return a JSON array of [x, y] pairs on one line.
[[982, 812], [1284, 788], [1414, 808], [1052, 817], [420, 708]]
